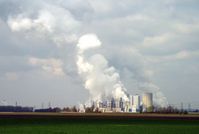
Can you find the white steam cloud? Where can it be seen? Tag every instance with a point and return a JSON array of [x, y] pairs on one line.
[[158, 97], [88, 41], [101, 80]]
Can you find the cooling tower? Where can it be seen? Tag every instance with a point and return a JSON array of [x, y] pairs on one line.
[[147, 102]]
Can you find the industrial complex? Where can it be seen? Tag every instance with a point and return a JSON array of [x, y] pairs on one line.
[[135, 103]]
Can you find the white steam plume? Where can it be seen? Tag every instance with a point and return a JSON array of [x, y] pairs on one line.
[[101, 80], [138, 75], [88, 41], [158, 97]]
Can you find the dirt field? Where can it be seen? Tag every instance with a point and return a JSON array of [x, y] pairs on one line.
[[100, 115]]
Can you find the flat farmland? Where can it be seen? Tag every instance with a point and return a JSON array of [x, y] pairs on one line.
[[106, 123]]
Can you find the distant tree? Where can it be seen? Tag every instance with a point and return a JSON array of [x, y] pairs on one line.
[[56, 109], [185, 112], [74, 109], [167, 110], [97, 110], [66, 109], [150, 109], [89, 109]]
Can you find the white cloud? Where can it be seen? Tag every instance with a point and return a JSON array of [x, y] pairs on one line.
[[101, 6], [138, 17], [11, 76], [53, 66], [181, 55], [156, 40], [20, 23], [62, 39], [187, 28], [51, 22], [44, 22]]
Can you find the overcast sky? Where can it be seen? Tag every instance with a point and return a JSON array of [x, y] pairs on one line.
[[152, 45]]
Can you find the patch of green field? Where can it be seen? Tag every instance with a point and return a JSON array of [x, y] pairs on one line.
[[97, 126]]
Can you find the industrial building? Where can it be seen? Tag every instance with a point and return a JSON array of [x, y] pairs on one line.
[[136, 103], [136, 107], [147, 102]]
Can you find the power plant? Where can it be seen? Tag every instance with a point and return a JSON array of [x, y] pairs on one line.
[[135, 104]]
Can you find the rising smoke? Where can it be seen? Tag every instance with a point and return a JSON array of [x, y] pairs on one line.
[[101, 80]]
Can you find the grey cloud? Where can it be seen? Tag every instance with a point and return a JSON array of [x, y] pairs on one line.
[[13, 64], [165, 27]]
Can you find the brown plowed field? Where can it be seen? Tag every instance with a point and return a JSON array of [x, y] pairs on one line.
[[101, 116]]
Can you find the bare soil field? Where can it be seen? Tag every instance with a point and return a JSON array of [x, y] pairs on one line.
[[101, 115]]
